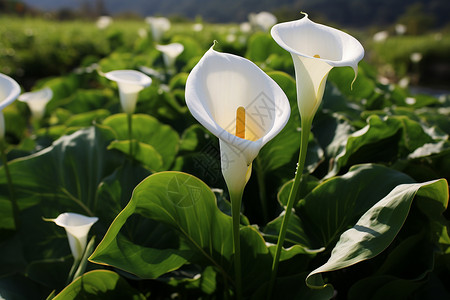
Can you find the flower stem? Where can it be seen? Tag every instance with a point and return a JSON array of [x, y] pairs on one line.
[[306, 128], [236, 200], [12, 196], [262, 189], [130, 133], [73, 269]]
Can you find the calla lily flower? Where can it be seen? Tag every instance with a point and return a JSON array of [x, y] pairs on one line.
[[103, 22], [77, 228], [37, 101], [130, 83], [159, 26], [170, 53], [9, 91], [218, 89], [197, 27], [263, 20], [315, 50]]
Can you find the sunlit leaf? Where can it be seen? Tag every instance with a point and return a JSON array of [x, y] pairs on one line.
[[377, 227], [99, 284]]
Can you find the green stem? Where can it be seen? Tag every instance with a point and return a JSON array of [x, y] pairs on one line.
[[78, 201], [306, 128], [262, 189], [236, 214], [226, 295], [72, 271], [130, 133], [12, 196]]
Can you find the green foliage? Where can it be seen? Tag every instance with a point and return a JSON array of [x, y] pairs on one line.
[[370, 220]]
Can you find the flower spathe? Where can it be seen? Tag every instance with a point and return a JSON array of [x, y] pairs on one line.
[[104, 22], [315, 50], [159, 25], [9, 91], [217, 86], [263, 20], [170, 53], [37, 101], [130, 83], [77, 228]]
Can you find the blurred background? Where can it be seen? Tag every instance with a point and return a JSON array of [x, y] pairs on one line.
[[408, 41]]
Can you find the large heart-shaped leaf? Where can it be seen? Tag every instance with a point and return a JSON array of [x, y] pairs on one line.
[[99, 284], [185, 204], [377, 228], [188, 207], [147, 130], [68, 172], [336, 204], [75, 174], [382, 140]]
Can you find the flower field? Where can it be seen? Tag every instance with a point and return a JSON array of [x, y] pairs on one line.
[[212, 168]]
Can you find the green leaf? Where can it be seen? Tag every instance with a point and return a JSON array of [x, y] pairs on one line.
[[143, 153], [336, 204], [183, 203], [83, 101], [115, 190], [51, 273], [193, 138], [187, 206], [377, 228], [363, 87], [99, 284], [150, 131], [382, 140], [62, 178], [206, 281], [67, 173], [260, 46], [88, 118]]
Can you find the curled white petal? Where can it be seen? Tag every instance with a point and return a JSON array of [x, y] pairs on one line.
[[77, 228], [130, 83], [308, 39], [217, 86], [159, 25], [103, 22], [170, 53], [9, 91], [37, 101], [315, 50], [263, 20]]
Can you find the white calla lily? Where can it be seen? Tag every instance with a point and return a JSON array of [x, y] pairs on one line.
[[263, 20], [104, 22], [315, 50], [37, 101], [170, 53], [9, 91], [158, 25], [217, 86], [245, 108], [77, 228], [130, 83]]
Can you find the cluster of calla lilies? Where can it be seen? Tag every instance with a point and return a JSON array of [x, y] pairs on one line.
[[237, 102], [222, 94]]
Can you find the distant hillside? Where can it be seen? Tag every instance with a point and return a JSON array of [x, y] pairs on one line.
[[345, 12]]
